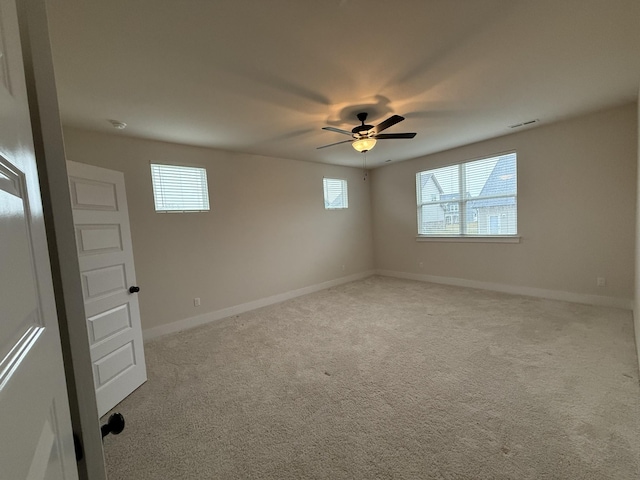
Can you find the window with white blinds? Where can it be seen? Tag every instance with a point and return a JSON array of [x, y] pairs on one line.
[[335, 193], [179, 189], [477, 198]]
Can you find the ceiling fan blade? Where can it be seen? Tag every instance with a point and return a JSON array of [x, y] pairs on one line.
[[389, 122], [384, 136], [337, 130], [332, 144]]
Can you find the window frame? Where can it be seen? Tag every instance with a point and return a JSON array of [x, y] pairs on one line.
[[204, 184], [462, 207], [345, 192]]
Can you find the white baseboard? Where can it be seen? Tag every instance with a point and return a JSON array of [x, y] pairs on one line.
[[209, 317], [599, 300]]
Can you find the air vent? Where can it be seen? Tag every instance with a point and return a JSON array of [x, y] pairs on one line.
[[524, 124]]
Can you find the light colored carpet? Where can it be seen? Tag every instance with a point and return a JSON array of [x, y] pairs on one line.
[[390, 379]]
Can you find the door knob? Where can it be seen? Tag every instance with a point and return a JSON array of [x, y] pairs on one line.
[[114, 425], [134, 289]]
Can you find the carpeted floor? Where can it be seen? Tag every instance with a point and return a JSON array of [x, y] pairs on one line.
[[390, 379]]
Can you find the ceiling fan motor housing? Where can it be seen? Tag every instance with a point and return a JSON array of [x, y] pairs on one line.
[[363, 131]]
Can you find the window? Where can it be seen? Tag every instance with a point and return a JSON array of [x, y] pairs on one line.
[[335, 193], [179, 189], [477, 198]]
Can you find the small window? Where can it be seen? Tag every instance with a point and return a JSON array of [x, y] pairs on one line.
[[335, 193], [179, 189], [477, 198]]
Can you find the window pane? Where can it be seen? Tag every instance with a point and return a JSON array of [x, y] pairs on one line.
[[433, 220], [471, 198], [493, 185], [335, 193], [492, 176], [179, 189], [446, 181], [477, 174]]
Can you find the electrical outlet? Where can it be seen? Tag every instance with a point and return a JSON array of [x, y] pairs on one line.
[[196, 302], [601, 281], [344, 267], [421, 264]]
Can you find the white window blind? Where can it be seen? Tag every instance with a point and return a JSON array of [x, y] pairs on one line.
[[477, 198], [335, 193], [179, 189]]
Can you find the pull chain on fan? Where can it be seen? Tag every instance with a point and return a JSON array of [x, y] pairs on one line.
[[364, 167]]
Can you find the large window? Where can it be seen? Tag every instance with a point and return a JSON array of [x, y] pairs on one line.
[[477, 198], [335, 193], [179, 189]]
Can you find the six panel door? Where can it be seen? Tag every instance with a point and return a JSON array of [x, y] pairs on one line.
[[105, 254]]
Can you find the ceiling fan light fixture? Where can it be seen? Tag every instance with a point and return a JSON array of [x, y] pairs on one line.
[[364, 144]]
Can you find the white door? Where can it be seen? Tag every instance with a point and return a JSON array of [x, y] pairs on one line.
[[35, 429], [105, 253]]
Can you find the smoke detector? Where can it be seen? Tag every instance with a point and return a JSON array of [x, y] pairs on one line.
[[118, 125]]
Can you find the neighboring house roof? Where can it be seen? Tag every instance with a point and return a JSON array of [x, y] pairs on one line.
[[426, 178], [450, 196], [503, 180], [337, 202]]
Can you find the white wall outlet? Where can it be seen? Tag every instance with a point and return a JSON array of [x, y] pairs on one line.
[[601, 281], [421, 264], [344, 267], [196, 302]]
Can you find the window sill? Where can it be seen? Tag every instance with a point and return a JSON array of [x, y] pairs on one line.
[[470, 239], [182, 211]]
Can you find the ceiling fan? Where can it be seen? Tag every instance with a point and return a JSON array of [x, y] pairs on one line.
[[366, 136]]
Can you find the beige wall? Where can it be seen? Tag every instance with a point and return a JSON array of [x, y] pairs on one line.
[[267, 232], [576, 209]]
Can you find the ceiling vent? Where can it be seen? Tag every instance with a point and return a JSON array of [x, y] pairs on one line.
[[524, 124]]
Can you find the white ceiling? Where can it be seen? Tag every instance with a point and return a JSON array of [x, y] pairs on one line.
[[264, 76]]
